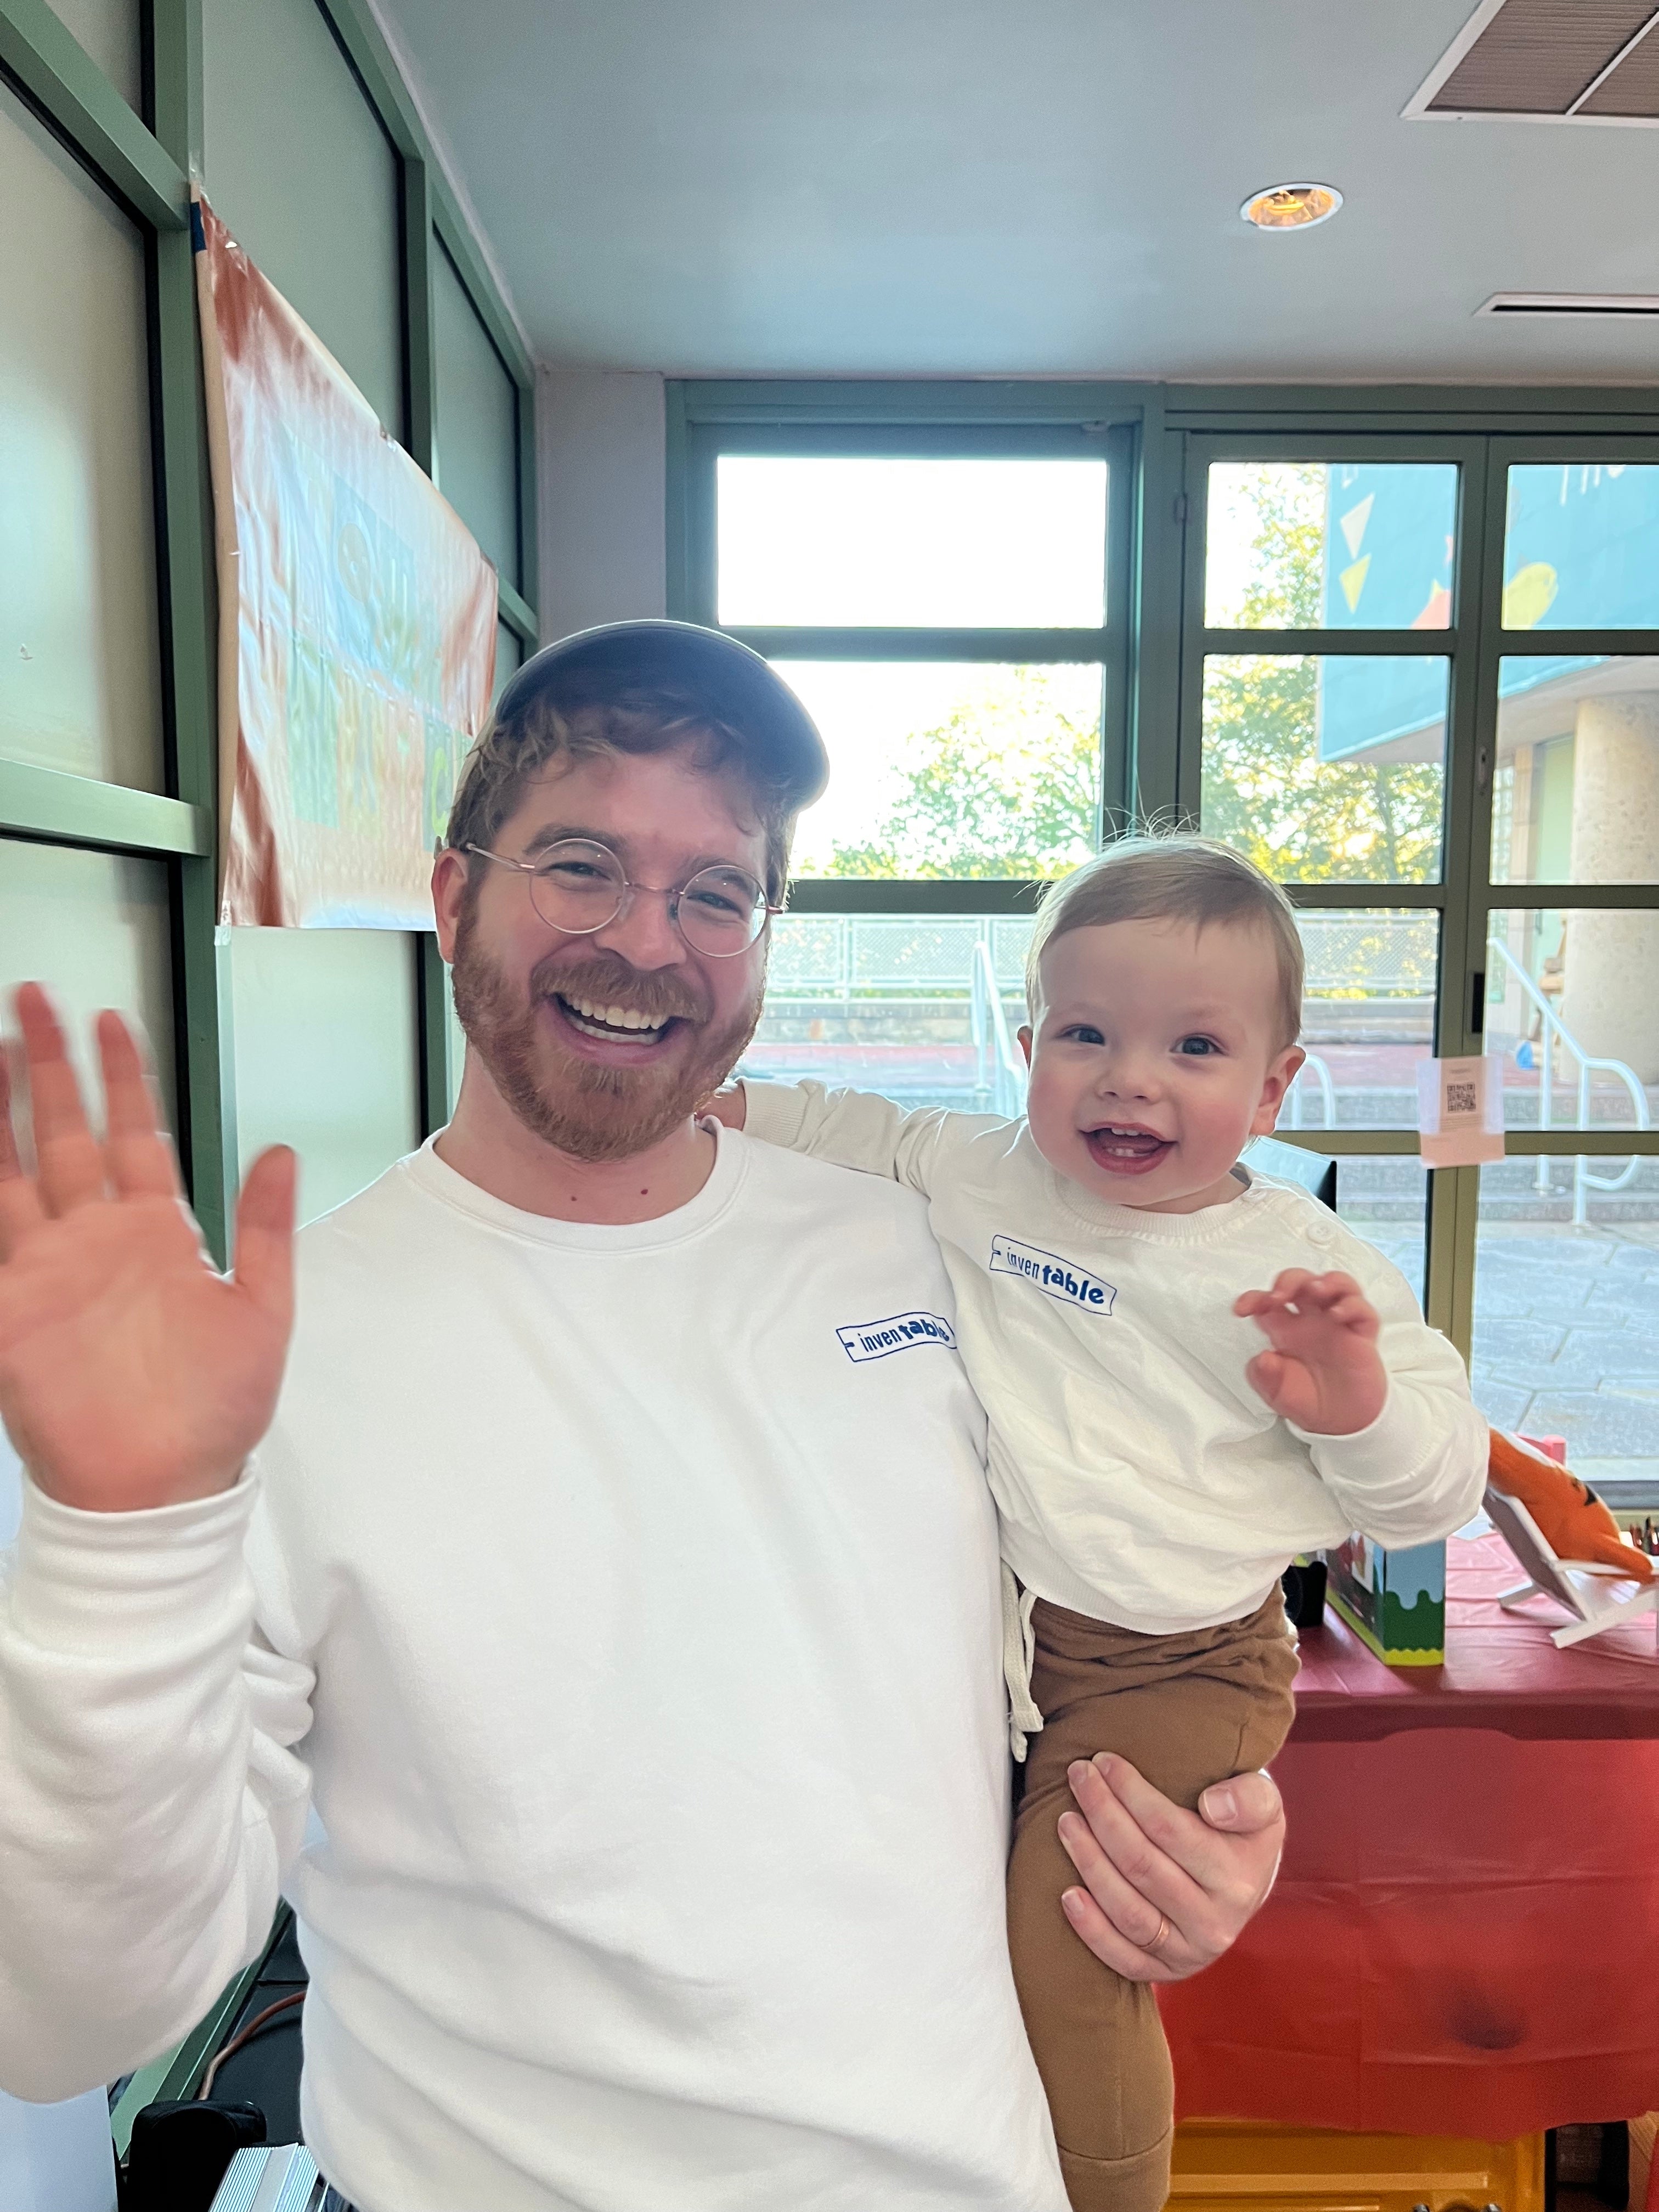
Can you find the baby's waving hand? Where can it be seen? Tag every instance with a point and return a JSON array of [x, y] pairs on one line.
[[1323, 1373]]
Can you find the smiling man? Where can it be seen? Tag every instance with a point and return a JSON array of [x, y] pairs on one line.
[[618, 1579]]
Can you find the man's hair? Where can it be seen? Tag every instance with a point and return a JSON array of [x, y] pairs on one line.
[[586, 721], [1175, 877]]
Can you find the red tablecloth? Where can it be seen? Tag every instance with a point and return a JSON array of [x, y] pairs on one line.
[[1465, 1934]]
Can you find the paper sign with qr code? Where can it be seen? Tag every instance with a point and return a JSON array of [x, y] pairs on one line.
[[1460, 1111]]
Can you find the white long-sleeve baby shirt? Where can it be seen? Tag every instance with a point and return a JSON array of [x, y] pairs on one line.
[[1138, 1477]]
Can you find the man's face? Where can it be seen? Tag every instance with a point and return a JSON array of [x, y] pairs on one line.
[[545, 1012]]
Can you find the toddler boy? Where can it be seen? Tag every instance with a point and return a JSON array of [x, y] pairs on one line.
[[1155, 1465]]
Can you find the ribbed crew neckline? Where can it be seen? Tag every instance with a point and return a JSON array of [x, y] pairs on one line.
[[436, 1179], [1211, 1225]]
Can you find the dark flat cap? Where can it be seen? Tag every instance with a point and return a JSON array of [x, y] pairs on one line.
[[732, 682]]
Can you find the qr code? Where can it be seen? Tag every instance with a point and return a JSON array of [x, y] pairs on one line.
[[1460, 1098]]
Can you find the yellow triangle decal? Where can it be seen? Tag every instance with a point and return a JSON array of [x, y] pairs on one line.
[[1354, 521], [1353, 581]]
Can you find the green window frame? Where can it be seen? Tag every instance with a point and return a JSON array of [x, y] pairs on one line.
[[1165, 437], [903, 421], [143, 161]]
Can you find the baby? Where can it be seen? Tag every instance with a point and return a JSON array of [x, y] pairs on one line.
[[1155, 1465]]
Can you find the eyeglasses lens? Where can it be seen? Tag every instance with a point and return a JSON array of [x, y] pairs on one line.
[[578, 887], [721, 911]]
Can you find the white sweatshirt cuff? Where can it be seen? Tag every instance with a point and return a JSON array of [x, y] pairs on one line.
[[773, 1112], [1388, 1451], [102, 1584]]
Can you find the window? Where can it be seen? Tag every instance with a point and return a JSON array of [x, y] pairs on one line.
[[951, 609], [1411, 671]]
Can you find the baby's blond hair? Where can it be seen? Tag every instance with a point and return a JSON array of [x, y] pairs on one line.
[[1174, 878]]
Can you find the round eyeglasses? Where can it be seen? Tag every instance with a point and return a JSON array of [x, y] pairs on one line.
[[577, 886]]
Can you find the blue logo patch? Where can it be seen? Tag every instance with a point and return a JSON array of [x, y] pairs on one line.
[[1055, 1277], [874, 1339]]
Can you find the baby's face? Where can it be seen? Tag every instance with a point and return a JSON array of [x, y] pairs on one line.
[[1155, 1058]]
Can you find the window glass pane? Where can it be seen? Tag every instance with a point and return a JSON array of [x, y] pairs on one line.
[[476, 436], [509, 658], [80, 681], [1367, 1020], [884, 1002], [1575, 795], [929, 543], [1567, 1319], [108, 30], [298, 165], [1582, 547], [325, 1054], [1329, 544], [1386, 1201], [1572, 1008], [901, 1003], [1327, 769], [950, 769], [92, 927]]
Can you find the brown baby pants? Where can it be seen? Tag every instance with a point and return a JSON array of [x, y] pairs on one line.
[[1188, 1710]]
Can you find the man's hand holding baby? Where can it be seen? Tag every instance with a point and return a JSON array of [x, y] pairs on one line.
[[1323, 1373]]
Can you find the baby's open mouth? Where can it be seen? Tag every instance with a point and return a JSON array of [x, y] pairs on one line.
[[1124, 1148]]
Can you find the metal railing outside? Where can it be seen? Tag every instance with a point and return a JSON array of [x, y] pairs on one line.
[[1556, 1039], [1001, 1063]]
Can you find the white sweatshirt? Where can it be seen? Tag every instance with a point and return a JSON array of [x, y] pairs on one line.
[[1139, 1477], [635, 1630]]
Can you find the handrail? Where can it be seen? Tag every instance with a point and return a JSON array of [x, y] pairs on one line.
[[1555, 1033], [1001, 1069], [1319, 1070]]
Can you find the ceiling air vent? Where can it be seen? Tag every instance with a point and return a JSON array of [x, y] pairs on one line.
[[1622, 306], [1548, 61]]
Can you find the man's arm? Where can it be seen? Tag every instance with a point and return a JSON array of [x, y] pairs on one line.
[[1165, 1892], [149, 1799], [151, 1802]]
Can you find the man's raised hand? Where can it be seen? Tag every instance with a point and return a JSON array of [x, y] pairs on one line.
[[132, 1375]]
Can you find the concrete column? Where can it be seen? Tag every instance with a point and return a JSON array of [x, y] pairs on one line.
[[1611, 996]]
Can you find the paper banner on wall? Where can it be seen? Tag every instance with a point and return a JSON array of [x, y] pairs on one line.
[[356, 625]]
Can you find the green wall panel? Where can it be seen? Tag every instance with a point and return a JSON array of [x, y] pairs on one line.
[[299, 167], [324, 1024], [475, 436], [79, 684]]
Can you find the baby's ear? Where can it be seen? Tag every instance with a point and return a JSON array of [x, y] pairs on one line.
[[1023, 1033], [1281, 1074]]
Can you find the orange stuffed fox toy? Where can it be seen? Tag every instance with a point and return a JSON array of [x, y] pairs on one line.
[[1571, 1519]]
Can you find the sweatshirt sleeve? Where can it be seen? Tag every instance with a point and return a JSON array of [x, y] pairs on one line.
[[150, 1798], [852, 1129], [1418, 1472]]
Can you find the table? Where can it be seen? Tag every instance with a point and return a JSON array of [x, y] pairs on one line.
[[1464, 1938]]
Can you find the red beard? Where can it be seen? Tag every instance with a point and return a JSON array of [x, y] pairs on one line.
[[586, 1111]]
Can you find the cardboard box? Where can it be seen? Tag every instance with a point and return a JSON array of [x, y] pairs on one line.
[[1395, 1602]]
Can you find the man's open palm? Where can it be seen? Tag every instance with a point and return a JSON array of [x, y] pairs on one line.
[[132, 1375]]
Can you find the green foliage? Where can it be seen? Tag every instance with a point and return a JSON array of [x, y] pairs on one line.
[[1265, 789], [1007, 786]]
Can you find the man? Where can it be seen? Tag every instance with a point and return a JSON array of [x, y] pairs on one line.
[[620, 1582]]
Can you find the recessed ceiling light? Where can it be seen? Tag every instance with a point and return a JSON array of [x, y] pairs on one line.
[[1292, 207]]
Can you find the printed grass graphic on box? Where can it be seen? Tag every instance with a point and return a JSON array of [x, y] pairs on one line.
[[1395, 1602]]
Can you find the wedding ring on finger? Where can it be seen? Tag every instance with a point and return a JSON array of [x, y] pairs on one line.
[[1161, 1936]]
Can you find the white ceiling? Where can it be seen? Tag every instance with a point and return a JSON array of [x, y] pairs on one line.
[[1024, 187]]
